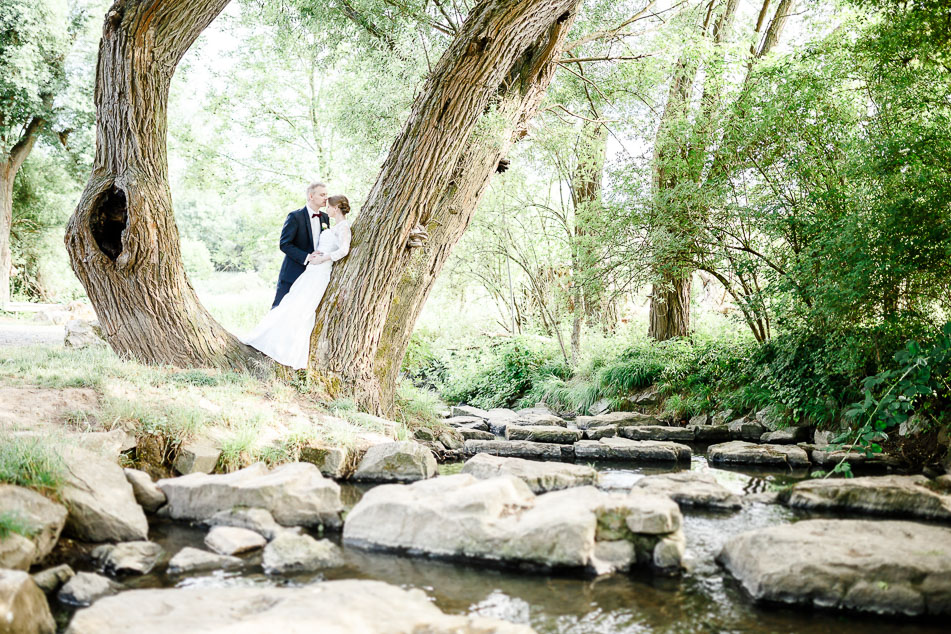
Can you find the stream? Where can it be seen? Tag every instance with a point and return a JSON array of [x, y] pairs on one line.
[[703, 599]]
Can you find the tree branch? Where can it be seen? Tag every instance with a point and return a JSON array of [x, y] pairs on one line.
[[24, 145]]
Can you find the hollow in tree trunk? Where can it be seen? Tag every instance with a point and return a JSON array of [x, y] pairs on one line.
[[479, 98], [122, 239]]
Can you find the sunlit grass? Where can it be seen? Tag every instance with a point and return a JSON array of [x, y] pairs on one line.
[[31, 462]]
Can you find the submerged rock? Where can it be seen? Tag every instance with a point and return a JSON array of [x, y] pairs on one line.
[[332, 606], [290, 553], [501, 520], [515, 448], [295, 494], [405, 461], [690, 488], [539, 476], [85, 588], [887, 567], [100, 500], [23, 606], [149, 496], [190, 559], [625, 449], [742, 452], [128, 557], [543, 433], [228, 540], [910, 496], [656, 432]]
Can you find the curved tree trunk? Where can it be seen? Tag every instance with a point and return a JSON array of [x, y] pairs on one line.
[[9, 167], [122, 239], [478, 100]]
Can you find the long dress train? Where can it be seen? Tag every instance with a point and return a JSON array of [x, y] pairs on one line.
[[284, 333]]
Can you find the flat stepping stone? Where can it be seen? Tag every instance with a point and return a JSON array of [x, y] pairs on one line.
[[656, 432], [539, 476], [526, 419], [467, 410], [501, 520], [543, 433], [742, 452], [229, 540], [626, 449], [788, 436], [475, 434], [881, 566], [296, 494], [405, 461], [467, 421], [689, 488], [911, 496], [710, 433], [616, 418], [190, 559], [828, 459], [348, 605], [515, 449], [597, 433]]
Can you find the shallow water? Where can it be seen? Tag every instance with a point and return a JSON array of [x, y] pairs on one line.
[[704, 599]]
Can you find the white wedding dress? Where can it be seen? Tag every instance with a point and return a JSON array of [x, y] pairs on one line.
[[284, 333]]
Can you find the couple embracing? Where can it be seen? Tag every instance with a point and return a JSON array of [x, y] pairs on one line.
[[311, 245]]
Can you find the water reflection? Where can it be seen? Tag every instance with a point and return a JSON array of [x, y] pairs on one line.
[[703, 600]]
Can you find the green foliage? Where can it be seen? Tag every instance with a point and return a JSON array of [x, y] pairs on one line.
[[917, 387], [11, 522], [417, 407], [505, 375], [31, 462]]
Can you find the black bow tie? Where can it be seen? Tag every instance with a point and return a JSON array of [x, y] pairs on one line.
[[315, 215]]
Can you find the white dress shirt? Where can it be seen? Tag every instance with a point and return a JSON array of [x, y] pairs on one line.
[[314, 225]]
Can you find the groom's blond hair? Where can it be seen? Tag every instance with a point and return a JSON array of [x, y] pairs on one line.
[[313, 186]]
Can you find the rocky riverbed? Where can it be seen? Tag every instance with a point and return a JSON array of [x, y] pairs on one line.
[[627, 541]]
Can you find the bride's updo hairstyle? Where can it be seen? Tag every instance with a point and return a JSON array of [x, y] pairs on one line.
[[340, 202]]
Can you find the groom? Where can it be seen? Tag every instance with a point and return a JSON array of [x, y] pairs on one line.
[[299, 238]]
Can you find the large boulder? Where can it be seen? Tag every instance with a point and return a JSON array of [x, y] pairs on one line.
[[100, 500], [515, 449], [42, 519], [23, 606], [296, 494], [656, 432], [911, 496], [887, 567], [635, 450], [332, 607], [742, 452], [543, 433], [539, 476], [501, 520], [746, 428], [405, 461], [83, 333], [290, 553], [689, 488]]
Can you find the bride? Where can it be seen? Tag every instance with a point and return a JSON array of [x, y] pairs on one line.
[[284, 333]]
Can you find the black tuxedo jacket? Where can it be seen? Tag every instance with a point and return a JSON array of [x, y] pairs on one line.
[[297, 242]]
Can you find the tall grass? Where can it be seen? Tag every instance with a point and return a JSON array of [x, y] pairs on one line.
[[32, 463]]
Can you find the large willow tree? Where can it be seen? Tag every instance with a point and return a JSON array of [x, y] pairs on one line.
[[123, 241]]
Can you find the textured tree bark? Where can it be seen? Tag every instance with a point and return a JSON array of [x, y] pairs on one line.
[[122, 239], [478, 100], [9, 167]]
